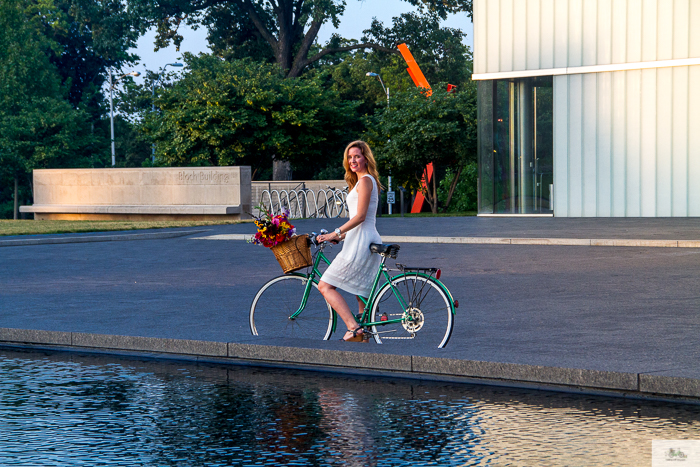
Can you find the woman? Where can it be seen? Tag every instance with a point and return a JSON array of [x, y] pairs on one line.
[[354, 268]]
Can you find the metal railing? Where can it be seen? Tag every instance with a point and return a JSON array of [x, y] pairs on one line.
[[305, 203]]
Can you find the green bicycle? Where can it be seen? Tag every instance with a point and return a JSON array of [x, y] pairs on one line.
[[412, 304]]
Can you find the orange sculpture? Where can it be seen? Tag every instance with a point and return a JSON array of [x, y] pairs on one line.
[[413, 69], [419, 80]]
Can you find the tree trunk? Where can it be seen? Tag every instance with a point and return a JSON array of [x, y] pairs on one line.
[[281, 170], [292, 45], [428, 191], [15, 210], [453, 185]]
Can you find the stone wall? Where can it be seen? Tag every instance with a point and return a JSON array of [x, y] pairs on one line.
[[173, 193]]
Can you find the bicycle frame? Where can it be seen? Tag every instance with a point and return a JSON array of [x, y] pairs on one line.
[[314, 276], [383, 271], [311, 278]]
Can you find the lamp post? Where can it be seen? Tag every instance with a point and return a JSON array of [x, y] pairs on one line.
[[153, 101], [111, 106], [386, 91]]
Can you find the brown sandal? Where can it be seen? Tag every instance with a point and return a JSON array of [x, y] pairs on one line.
[[356, 336]]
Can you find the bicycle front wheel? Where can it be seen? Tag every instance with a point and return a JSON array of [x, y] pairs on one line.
[[426, 307], [276, 302]]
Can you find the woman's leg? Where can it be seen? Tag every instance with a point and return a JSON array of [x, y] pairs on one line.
[[360, 304], [338, 303]]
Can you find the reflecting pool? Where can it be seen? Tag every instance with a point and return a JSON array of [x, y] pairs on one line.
[[69, 410]]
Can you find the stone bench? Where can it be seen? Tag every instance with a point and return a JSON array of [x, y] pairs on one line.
[[208, 193]]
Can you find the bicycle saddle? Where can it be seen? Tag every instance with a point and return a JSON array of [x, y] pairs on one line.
[[385, 250]]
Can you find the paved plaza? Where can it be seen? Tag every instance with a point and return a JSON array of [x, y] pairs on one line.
[[616, 309]]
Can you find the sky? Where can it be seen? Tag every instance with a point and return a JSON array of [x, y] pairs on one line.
[[357, 17]]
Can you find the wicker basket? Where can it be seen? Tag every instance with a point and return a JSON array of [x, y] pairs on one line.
[[294, 253]]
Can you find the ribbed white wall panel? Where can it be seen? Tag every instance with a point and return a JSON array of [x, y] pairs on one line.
[[546, 32], [516, 35], [679, 144], [693, 174], [624, 143]]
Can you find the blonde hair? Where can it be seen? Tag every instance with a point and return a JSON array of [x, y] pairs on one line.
[[350, 176]]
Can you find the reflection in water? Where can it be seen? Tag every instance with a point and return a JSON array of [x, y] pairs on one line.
[[62, 409]]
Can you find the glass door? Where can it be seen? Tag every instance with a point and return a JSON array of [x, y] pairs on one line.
[[515, 146]]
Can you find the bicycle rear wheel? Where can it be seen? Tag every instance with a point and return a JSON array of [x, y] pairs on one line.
[[278, 299], [428, 308]]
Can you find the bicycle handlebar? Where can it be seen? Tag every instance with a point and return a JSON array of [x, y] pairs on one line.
[[314, 235]]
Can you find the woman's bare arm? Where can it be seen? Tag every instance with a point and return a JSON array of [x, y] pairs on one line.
[[364, 195]]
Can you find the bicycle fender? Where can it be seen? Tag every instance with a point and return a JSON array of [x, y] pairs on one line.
[[437, 281]]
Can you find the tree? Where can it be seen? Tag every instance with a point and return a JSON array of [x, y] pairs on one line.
[[38, 127], [289, 27], [48, 133], [92, 36], [246, 113], [419, 129]]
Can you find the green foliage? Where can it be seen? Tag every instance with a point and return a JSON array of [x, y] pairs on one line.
[[38, 127], [91, 36], [347, 78], [24, 53], [233, 35], [333, 171], [419, 129], [244, 113], [464, 197], [47, 134]]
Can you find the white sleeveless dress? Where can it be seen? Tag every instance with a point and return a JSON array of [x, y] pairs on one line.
[[354, 268]]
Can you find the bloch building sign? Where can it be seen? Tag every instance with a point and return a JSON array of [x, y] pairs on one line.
[[203, 177]]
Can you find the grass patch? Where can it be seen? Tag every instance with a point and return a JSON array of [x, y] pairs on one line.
[[430, 214], [32, 227]]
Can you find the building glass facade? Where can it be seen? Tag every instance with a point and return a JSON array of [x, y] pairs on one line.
[[515, 136]]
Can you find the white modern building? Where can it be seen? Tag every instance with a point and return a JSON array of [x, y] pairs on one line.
[[588, 108]]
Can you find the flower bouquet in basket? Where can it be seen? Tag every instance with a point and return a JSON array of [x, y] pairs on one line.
[[277, 233]]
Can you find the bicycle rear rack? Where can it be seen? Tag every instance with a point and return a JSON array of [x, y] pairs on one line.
[[404, 268]]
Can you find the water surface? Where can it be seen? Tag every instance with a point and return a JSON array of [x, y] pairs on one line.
[[67, 409]]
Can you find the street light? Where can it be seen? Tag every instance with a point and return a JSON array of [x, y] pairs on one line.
[[386, 91], [153, 101], [111, 106]]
